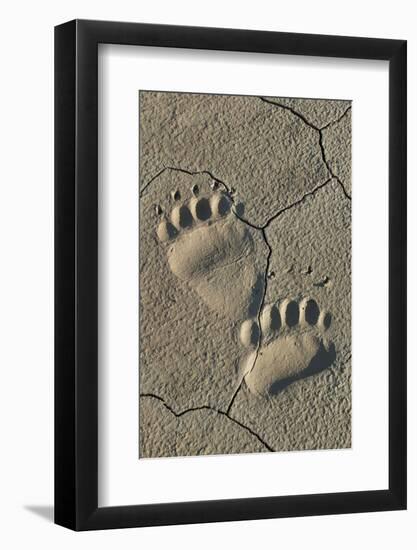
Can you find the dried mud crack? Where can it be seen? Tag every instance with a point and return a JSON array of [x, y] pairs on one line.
[[268, 261], [323, 153], [206, 407], [320, 133], [184, 171], [300, 116]]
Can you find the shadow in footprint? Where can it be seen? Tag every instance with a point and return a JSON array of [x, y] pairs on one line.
[[256, 296], [320, 362]]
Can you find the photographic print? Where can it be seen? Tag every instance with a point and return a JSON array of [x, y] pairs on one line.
[[244, 274]]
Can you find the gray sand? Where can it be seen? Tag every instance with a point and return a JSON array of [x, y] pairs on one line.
[[245, 285]]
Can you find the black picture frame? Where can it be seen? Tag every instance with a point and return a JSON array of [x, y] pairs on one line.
[[76, 272]]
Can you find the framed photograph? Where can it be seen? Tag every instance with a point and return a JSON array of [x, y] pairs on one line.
[[230, 252]]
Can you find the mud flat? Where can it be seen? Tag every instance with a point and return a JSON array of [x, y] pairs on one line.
[[245, 283]]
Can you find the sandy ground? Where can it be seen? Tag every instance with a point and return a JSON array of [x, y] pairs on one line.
[[245, 285]]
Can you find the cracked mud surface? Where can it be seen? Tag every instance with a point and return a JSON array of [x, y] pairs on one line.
[[245, 222]]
